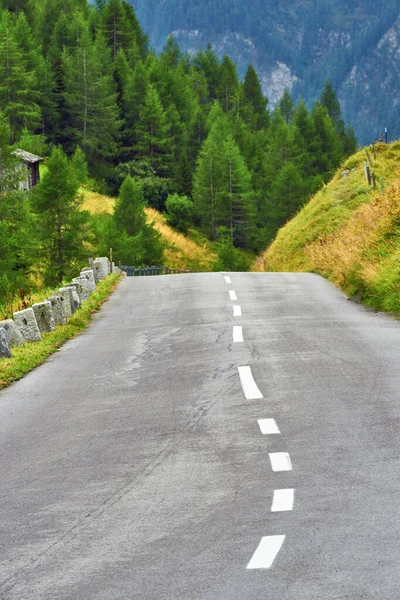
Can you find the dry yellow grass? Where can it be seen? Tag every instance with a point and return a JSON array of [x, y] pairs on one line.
[[180, 251], [96, 203], [349, 233]]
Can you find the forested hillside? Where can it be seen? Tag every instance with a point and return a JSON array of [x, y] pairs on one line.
[[184, 135], [299, 43]]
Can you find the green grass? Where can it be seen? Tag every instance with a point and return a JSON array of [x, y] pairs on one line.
[[349, 233], [31, 355]]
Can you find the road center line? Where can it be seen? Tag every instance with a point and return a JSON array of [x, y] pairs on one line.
[[280, 461], [237, 310], [249, 386], [232, 294], [268, 426], [237, 333], [228, 279], [283, 500], [266, 552]]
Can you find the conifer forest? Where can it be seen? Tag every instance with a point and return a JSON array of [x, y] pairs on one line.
[[81, 87]]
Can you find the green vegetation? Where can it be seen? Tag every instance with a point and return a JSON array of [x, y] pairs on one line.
[[349, 232], [30, 356], [174, 133], [351, 43]]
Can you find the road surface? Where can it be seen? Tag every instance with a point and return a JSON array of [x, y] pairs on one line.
[[209, 437]]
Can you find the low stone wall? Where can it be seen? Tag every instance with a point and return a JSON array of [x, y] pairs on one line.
[[27, 325]]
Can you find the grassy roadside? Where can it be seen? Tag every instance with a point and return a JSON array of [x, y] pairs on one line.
[[192, 251], [349, 233], [30, 356]]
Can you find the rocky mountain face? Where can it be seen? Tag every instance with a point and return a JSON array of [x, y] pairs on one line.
[[298, 44]]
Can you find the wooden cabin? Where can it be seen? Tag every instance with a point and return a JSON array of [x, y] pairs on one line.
[[29, 169]]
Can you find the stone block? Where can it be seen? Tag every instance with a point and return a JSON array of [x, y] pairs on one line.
[[13, 334], [89, 275], [102, 266], [92, 268], [28, 327], [68, 305], [44, 316], [56, 307], [83, 288], [74, 287], [4, 347]]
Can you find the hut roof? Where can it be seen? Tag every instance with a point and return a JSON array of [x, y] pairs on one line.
[[27, 156]]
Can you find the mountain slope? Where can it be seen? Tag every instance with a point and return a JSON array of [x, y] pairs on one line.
[[348, 232], [298, 44], [180, 251]]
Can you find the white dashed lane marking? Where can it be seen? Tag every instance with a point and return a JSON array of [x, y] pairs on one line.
[[268, 426], [237, 310], [237, 333], [266, 552], [280, 461], [228, 279], [232, 294], [249, 386], [283, 500]]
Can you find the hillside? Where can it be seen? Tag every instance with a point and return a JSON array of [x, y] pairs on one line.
[[298, 44], [180, 251], [348, 232]]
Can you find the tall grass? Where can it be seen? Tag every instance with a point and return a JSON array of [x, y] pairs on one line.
[[349, 232], [180, 251]]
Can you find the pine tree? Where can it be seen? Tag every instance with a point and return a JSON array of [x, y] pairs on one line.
[[133, 101], [129, 213], [228, 84], [18, 84], [79, 166], [207, 63], [286, 106], [206, 183], [255, 103], [61, 222], [234, 195], [153, 132], [91, 99]]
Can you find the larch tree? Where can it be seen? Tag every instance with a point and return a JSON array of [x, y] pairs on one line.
[[61, 224], [18, 83]]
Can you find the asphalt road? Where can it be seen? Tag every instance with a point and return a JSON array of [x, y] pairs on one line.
[[133, 466]]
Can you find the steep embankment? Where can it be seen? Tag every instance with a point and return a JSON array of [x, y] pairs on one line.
[[349, 232], [180, 251]]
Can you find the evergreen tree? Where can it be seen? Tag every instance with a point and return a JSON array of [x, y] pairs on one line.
[[133, 101], [61, 222], [91, 99], [286, 106], [228, 84], [79, 166], [153, 132], [234, 195], [18, 84], [129, 209], [255, 103]]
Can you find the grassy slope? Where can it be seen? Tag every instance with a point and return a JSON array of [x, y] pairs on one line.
[[180, 253], [349, 233]]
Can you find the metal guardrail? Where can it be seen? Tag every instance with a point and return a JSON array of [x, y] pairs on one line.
[[150, 271]]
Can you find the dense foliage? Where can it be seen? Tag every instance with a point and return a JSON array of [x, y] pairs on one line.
[[346, 42], [178, 133]]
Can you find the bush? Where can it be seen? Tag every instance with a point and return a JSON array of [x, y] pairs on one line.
[[180, 212], [231, 258]]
